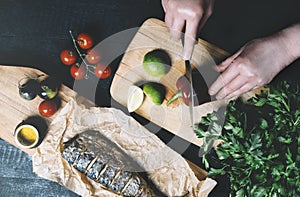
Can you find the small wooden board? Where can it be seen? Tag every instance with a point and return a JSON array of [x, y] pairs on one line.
[[14, 109], [153, 34]]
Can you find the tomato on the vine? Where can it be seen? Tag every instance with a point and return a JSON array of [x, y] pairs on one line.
[[68, 57], [85, 41], [47, 108], [93, 56], [102, 71], [78, 72]]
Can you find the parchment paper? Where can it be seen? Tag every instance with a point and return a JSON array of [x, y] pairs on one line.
[[167, 169]]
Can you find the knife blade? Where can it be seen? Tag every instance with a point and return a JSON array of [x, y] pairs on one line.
[[188, 75]]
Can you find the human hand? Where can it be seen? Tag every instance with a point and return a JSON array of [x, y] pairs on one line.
[[191, 14], [253, 66]]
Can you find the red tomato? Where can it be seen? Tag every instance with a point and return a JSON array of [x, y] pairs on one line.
[[102, 72], [85, 41], [47, 108], [68, 57], [93, 57], [77, 72]]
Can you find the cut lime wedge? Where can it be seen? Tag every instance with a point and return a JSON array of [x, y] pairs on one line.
[[135, 98]]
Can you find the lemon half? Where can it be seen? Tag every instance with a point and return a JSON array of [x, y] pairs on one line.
[[135, 98]]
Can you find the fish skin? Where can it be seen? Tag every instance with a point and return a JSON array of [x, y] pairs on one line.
[[104, 162]]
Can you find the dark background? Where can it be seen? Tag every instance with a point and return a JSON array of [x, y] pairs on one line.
[[33, 33]]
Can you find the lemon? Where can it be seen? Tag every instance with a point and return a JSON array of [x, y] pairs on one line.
[[156, 63], [135, 98]]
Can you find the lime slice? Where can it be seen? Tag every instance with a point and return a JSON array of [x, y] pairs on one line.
[[135, 98]]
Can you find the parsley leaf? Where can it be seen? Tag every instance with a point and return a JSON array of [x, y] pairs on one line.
[[260, 148]]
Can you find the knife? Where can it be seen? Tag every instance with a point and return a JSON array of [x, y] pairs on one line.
[[188, 74]]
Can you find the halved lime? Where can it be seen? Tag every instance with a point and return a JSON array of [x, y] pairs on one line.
[[135, 98], [155, 91], [156, 63]]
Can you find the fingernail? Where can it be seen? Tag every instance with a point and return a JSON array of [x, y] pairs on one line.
[[227, 97], [211, 92], [186, 56]]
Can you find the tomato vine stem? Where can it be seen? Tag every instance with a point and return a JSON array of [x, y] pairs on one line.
[[28, 77], [87, 65]]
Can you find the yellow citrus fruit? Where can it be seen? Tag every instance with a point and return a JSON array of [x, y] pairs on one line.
[[135, 98]]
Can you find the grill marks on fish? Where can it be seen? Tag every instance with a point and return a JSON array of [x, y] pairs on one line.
[[104, 162]]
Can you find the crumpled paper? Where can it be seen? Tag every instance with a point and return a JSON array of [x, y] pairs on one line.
[[167, 169]]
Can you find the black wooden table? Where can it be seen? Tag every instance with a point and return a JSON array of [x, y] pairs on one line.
[[17, 178], [33, 33]]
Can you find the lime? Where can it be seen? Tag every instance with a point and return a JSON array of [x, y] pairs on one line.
[[156, 63], [155, 91], [135, 98]]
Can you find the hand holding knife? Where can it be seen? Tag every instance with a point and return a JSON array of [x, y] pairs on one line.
[[192, 88]]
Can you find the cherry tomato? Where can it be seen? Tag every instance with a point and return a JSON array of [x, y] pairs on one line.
[[102, 71], [93, 57], [47, 108], [85, 41], [78, 72], [68, 57]]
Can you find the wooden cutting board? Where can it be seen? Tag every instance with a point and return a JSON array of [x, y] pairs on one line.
[[14, 109], [153, 34]]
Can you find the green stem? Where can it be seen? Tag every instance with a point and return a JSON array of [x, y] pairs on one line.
[[297, 121], [174, 97], [285, 104], [87, 65], [20, 85]]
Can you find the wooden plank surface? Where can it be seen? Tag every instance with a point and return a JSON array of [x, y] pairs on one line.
[[15, 109], [153, 34], [17, 178]]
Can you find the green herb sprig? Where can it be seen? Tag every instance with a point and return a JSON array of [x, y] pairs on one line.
[[260, 149]]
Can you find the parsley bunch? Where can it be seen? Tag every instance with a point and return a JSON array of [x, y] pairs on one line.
[[260, 148]]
